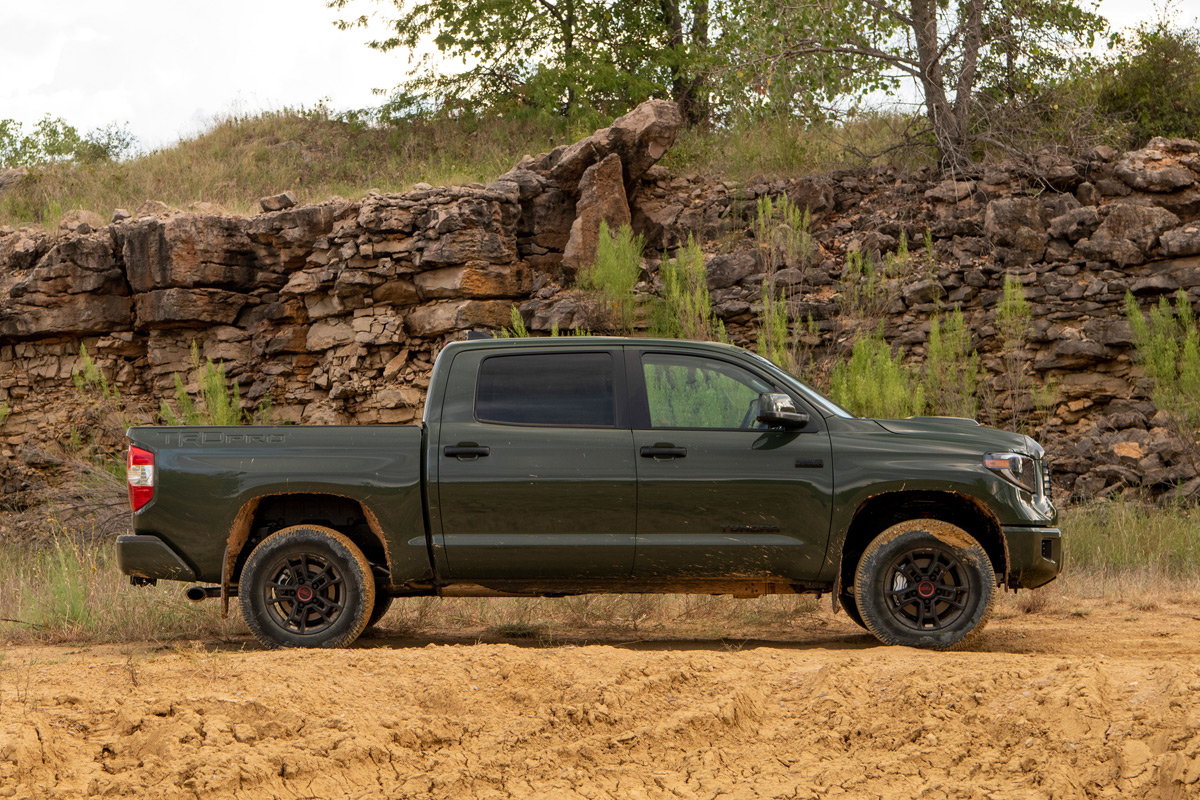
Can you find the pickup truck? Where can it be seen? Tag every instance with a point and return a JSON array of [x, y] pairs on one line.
[[561, 466]]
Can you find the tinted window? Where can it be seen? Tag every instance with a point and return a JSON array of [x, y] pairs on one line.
[[547, 389], [692, 392]]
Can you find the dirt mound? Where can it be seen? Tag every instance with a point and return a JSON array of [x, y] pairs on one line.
[[1049, 707]]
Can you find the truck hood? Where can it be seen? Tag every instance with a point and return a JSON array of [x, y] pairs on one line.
[[962, 431]]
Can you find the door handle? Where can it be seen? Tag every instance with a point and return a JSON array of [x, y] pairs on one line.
[[664, 451], [466, 451]]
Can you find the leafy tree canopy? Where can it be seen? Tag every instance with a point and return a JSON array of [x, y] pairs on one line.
[[52, 139]]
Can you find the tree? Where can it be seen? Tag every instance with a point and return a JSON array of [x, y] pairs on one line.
[[950, 49], [564, 56], [52, 139], [1154, 82]]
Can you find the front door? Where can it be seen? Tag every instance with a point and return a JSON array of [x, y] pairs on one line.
[[536, 477], [719, 494]]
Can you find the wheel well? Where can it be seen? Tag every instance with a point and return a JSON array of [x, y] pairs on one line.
[[342, 514], [882, 511]]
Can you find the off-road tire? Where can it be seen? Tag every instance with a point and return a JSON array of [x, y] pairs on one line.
[[306, 586], [925, 583]]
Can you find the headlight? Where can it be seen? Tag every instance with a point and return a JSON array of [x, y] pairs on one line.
[[1015, 468]]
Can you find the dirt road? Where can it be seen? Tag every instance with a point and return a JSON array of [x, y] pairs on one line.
[[1105, 704]]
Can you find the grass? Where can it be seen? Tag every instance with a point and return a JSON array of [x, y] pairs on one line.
[[71, 591], [243, 158], [317, 156]]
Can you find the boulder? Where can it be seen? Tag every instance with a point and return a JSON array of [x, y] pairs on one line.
[[601, 199], [730, 269], [1182, 241], [277, 202], [1076, 224], [1015, 227], [168, 308], [1128, 234], [440, 318], [1154, 169], [477, 279], [951, 191], [12, 176], [188, 250]]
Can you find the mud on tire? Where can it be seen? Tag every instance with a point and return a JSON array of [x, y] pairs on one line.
[[306, 586], [925, 583]]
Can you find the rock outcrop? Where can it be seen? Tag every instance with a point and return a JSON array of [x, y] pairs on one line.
[[336, 311]]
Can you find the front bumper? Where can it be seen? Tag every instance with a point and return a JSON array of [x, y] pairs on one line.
[[1035, 556], [151, 557]]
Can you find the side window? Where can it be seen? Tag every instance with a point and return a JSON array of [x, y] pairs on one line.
[[695, 392], [566, 389]]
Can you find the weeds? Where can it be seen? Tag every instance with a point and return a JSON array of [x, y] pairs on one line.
[[218, 403], [686, 308], [951, 369], [874, 382], [616, 271], [1012, 324]]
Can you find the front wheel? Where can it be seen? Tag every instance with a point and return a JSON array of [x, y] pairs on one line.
[[925, 583], [306, 586]]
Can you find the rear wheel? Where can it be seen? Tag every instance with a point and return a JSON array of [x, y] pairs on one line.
[[306, 586], [925, 583]]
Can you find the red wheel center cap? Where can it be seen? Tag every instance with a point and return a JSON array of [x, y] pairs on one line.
[[925, 589], [304, 594]]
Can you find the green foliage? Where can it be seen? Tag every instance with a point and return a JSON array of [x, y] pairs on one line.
[[516, 326], [549, 56], [216, 404], [875, 383], [1168, 343], [4, 412], [1154, 82], [951, 369], [1013, 317], [53, 140], [783, 239], [616, 271], [686, 308], [812, 53], [1125, 536], [866, 288]]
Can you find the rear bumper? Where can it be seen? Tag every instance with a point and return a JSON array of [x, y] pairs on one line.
[[1035, 556], [151, 557]]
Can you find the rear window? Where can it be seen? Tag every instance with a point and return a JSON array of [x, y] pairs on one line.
[[564, 389]]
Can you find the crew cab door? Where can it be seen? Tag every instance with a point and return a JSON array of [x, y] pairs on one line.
[[535, 466], [719, 494]]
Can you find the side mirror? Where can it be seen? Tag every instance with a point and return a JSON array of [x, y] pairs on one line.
[[779, 409]]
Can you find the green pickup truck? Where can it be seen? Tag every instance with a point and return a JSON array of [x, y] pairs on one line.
[[563, 466]]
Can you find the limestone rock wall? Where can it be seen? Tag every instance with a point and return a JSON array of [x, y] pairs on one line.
[[336, 311]]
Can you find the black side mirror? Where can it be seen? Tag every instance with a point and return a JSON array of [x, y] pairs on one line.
[[779, 409]]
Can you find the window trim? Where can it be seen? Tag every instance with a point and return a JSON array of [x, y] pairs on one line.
[[620, 390], [639, 405]]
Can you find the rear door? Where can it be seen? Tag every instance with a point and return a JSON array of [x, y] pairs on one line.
[[719, 494], [536, 474]]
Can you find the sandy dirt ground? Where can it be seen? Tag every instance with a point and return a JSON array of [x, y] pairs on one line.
[[1102, 704]]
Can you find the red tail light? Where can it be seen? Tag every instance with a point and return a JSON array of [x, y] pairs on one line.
[[139, 474]]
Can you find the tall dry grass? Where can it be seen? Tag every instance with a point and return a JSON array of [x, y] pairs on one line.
[[317, 156]]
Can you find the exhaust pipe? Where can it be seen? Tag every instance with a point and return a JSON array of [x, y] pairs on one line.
[[198, 593]]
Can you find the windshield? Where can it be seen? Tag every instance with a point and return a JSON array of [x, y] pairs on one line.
[[826, 405]]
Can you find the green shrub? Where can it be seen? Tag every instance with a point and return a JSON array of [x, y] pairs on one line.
[[874, 382], [1168, 343], [616, 271], [951, 369], [217, 403], [686, 308], [1013, 318], [1154, 83]]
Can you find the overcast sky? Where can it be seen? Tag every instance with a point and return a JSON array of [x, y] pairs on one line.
[[166, 68]]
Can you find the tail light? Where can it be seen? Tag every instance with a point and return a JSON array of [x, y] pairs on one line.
[[139, 474]]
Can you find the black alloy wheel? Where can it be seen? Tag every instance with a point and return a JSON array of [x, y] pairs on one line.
[[925, 583], [306, 586]]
